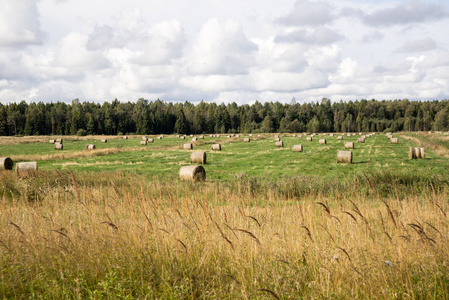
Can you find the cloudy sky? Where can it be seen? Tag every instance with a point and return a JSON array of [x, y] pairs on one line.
[[224, 51]]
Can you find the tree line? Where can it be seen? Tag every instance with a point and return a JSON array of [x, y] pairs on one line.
[[157, 117]]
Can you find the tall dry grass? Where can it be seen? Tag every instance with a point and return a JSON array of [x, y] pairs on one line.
[[69, 235]]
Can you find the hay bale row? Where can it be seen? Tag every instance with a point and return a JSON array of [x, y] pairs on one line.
[[344, 157], [349, 145], [58, 146], [297, 148], [192, 173], [280, 144], [198, 157], [415, 152], [216, 147], [187, 146], [6, 163], [26, 166]]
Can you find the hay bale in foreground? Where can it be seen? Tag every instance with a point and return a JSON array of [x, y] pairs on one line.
[[216, 147], [349, 145], [187, 146], [297, 148], [104, 140], [58, 146], [280, 144], [51, 141], [198, 157], [90, 147], [143, 143], [247, 140], [6, 163], [344, 157], [192, 173], [322, 141], [26, 166]]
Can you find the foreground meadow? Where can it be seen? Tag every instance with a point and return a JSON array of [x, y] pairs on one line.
[[265, 224]]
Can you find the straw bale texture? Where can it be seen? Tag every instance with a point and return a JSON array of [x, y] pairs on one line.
[[297, 148], [280, 144], [349, 145], [344, 157], [26, 166], [58, 146], [394, 140], [192, 173], [198, 157], [216, 147], [187, 146], [6, 163], [322, 141]]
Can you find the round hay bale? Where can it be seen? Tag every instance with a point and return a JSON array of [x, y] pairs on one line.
[[417, 152], [198, 157], [299, 136], [90, 147], [192, 173], [309, 138], [331, 134], [58, 146], [250, 135], [280, 144], [144, 138], [125, 137], [187, 146], [194, 139], [104, 140], [159, 138], [348, 134], [26, 166], [51, 141], [394, 140], [150, 140], [360, 140], [349, 145], [344, 157], [237, 135], [143, 143], [322, 141], [297, 148], [411, 153], [276, 136], [6, 163], [183, 138], [247, 140], [58, 140], [216, 147], [422, 152], [201, 137], [339, 137], [276, 139]]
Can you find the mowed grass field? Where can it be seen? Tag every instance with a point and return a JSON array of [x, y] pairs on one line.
[[117, 223], [260, 157]]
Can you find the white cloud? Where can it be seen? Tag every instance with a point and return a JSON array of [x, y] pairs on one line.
[[412, 11], [318, 36], [307, 12], [220, 48], [19, 23], [420, 45]]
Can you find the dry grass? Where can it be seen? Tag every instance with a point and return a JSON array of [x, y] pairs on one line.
[[67, 235]]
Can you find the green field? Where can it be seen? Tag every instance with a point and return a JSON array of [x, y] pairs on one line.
[[259, 158], [268, 223]]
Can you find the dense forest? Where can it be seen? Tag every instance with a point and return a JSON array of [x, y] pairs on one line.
[[156, 117]]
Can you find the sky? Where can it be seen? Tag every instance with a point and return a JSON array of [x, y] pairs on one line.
[[223, 51]]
